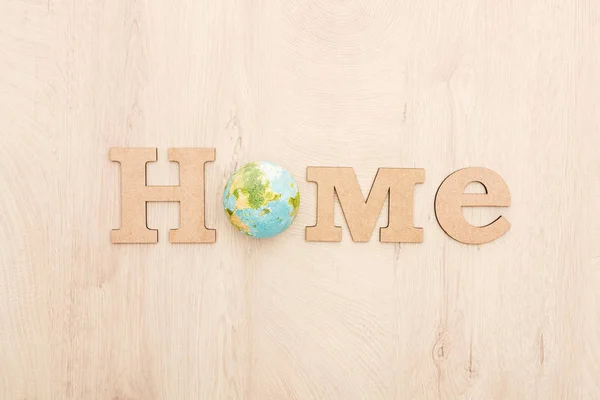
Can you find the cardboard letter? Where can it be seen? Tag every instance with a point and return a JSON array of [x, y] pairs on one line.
[[361, 215], [135, 194], [451, 197]]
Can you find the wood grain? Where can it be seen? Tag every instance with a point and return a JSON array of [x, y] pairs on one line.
[[439, 85]]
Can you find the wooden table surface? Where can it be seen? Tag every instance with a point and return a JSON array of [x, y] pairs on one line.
[[440, 85]]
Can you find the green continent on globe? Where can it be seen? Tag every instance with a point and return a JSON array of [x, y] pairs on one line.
[[294, 202], [250, 189], [237, 222], [261, 199]]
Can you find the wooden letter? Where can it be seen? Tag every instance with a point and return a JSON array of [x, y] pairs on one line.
[[135, 194], [451, 197], [361, 215]]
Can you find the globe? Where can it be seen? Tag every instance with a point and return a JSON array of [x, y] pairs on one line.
[[261, 199]]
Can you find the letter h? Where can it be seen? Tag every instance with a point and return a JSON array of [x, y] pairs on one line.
[[135, 194]]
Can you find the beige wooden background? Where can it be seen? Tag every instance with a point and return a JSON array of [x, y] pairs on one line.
[[509, 85]]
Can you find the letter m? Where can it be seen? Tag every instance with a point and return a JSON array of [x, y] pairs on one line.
[[361, 215]]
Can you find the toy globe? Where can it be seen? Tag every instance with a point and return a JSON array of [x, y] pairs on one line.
[[261, 199]]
